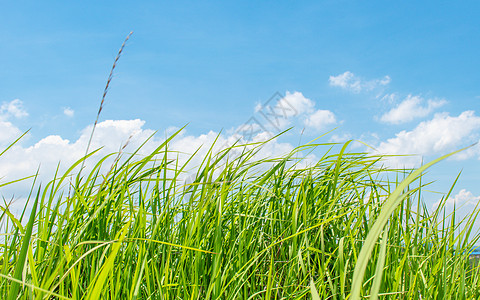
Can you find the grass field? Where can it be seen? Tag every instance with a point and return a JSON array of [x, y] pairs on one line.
[[245, 228], [242, 227]]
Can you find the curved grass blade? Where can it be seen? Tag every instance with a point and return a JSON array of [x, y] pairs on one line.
[[388, 208]]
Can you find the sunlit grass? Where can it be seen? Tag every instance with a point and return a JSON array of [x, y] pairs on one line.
[[245, 228]]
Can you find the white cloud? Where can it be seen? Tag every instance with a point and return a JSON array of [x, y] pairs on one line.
[[443, 133], [299, 102], [351, 82], [21, 161], [411, 108], [279, 113], [344, 80], [293, 109], [13, 108], [68, 112], [320, 119]]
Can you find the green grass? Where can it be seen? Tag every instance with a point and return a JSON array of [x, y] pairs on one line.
[[245, 229]]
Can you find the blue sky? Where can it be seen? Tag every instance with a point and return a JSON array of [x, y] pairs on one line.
[[402, 76]]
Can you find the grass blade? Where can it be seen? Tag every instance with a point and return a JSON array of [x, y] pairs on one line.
[[387, 209], [13, 293]]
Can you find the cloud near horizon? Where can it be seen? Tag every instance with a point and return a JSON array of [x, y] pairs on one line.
[[443, 133]]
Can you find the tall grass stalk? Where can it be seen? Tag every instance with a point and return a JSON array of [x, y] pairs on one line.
[[105, 91], [245, 229]]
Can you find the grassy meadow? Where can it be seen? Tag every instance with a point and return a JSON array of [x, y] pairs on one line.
[[244, 228]]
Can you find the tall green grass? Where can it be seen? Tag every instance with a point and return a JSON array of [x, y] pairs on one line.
[[244, 228]]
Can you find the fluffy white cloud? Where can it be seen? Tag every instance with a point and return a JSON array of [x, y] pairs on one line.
[[22, 161], [411, 108], [320, 119], [13, 108], [351, 82], [297, 101], [441, 134], [68, 112], [280, 112], [292, 109]]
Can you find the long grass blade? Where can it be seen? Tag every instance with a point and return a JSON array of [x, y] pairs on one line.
[[387, 209], [20, 264]]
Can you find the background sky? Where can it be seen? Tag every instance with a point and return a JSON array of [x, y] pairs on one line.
[[402, 77]]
